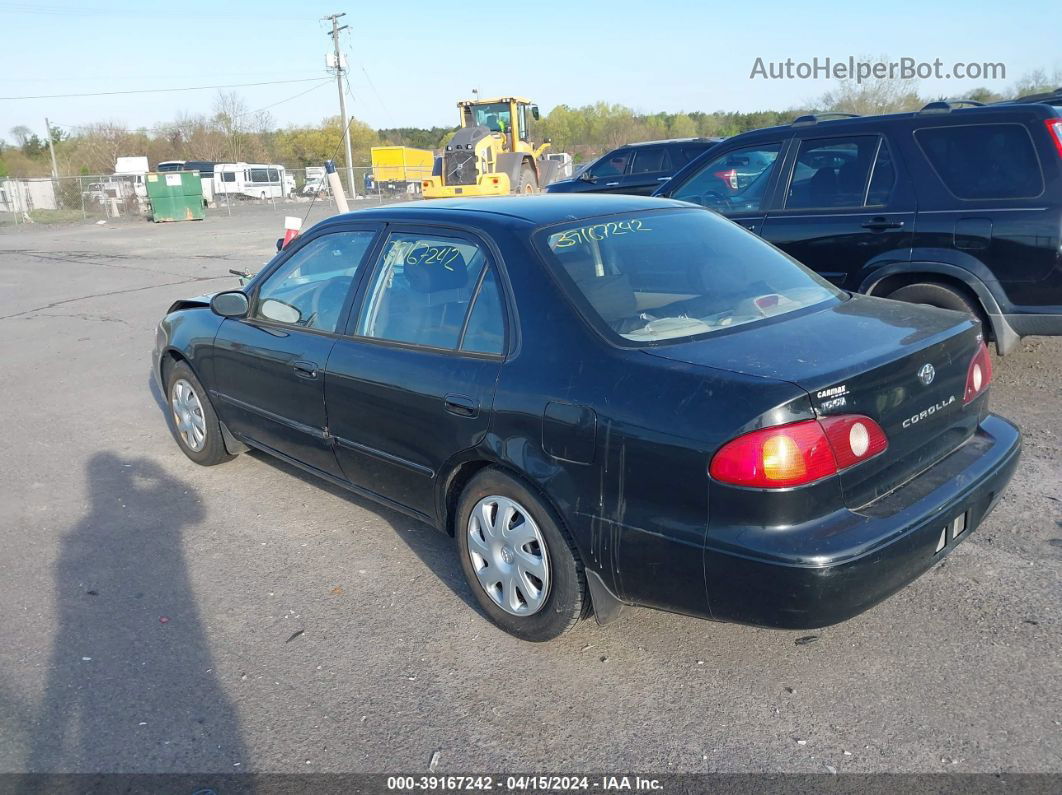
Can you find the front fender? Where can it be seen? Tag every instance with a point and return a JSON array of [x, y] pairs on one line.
[[189, 334]]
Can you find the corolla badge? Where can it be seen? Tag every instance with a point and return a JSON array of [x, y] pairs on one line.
[[926, 373]]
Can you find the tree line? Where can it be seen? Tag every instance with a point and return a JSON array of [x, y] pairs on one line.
[[232, 133]]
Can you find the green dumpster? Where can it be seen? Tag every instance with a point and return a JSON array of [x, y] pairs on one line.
[[175, 196]]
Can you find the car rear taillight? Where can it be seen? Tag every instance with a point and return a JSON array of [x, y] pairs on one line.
[[853, 438], [979, 375], [729, 178], [798, 454], [1054, 126]]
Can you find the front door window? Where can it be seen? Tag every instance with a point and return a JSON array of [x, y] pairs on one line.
[[733, 182], [310, 289]]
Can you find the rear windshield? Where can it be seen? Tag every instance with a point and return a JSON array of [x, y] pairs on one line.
[[664, 276]]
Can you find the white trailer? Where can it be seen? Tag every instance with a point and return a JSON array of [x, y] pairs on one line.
[[23, 195], [133, 169], [252, 180]]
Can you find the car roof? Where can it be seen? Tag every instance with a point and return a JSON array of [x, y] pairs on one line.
[[538, 210], [672, 141], [1042, 108]]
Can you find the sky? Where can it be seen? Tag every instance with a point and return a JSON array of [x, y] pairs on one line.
[[410, 61]]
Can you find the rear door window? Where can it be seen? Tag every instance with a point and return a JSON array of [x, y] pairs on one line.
[[421, 291], [650, 159], [485, 327], [832, 172], [883, 178], [983, 161]]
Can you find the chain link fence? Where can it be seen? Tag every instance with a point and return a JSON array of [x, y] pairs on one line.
[[116, 198], [89, 198]]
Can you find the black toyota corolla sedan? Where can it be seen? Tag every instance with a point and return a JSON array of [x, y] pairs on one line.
[[607, 401]]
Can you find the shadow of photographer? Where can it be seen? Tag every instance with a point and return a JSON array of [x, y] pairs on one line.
[[131, 683]]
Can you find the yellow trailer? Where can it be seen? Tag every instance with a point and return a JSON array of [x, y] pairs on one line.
[[401, 168]]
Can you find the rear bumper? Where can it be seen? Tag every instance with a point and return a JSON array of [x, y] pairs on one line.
[[821, 574], [1009, 329], [1029, 325]]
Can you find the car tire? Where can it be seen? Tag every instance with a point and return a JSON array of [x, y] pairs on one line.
[[512, 604], [193, 422], [940, 296], [528, 184]]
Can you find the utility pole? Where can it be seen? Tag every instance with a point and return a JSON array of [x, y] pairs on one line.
[[51, 148], [336, 28]]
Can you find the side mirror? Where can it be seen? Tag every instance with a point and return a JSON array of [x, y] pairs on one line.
[[586, 176], [230, 304], [280, 244], [280, 312], [534, 112]]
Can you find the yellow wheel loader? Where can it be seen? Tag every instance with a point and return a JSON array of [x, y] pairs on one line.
[[491, 154]]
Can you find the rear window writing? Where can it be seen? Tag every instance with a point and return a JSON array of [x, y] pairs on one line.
[[585, 234], [983, 161]]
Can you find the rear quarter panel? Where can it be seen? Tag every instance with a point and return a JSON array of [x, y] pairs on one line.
[[638, 509], [1015, 242]]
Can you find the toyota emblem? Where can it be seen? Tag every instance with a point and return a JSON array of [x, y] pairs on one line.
[[927, 373]]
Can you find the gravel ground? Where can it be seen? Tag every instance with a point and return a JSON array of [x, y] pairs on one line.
[[158, 616]]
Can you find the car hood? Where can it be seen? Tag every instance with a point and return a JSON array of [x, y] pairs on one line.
[[191, 303]]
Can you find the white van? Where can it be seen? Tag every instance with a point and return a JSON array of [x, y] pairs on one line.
[[252, 180]]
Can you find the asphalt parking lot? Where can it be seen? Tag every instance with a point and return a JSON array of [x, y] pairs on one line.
[[162, 617]]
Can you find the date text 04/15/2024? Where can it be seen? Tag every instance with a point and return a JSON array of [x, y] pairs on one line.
[[524, 783]]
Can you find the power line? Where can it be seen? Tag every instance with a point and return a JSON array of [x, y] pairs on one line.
[[215, 75], [68, 11], [323, 82], [167, 126], [379, 98], [160, 90]]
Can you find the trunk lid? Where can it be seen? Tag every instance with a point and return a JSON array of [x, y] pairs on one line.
[[865, 356]]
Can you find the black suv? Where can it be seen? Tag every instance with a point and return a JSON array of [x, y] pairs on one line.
[[635, 168], [958, 205]]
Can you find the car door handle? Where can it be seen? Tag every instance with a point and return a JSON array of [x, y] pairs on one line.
[[881, 224], [305, 369], [461, 405], [611, 184], [662, 179]]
